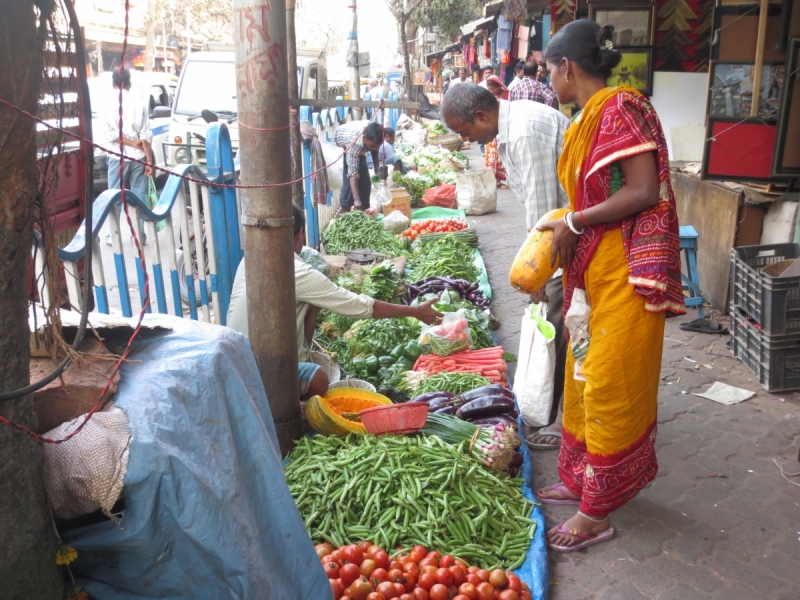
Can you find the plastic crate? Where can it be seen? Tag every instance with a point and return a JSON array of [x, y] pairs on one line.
[[772, 302], [775, 360]]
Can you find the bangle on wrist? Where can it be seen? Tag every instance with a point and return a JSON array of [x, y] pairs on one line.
[[570, 225]]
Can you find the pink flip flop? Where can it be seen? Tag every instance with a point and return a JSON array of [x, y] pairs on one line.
[[587, 540], [561, 489]]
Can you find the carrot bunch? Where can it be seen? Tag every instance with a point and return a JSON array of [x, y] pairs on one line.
[[488, 362]]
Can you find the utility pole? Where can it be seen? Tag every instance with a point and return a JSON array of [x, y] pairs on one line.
[[352, 60], [259, 35], [150, 44], [294, 118], [27, 555]]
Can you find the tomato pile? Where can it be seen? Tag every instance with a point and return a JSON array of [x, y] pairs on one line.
[[434, 226], [365, 571]]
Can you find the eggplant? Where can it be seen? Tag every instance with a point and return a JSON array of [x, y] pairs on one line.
[[485, 406], [471, 297], [430, 396], [517, 459], [446, 410], [473, 286], [496, 420], [455, 404], [513, 414], [490, 390]]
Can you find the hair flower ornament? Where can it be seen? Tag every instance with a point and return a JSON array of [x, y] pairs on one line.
[[608, 45]]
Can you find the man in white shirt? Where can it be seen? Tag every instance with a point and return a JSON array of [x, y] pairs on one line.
[[134, 142], [462, 78], [314, 291], [530, 137], [518, 75], [486, 72]]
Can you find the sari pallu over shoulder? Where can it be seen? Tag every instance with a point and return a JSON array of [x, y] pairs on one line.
[[621, 123]]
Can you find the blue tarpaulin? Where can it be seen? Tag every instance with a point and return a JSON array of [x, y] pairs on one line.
[[207, 511]]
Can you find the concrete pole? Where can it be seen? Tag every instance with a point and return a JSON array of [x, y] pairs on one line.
[[259, 30], [294, 121], [352, 60]]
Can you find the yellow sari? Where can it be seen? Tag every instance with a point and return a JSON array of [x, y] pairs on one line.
[[607, 452]]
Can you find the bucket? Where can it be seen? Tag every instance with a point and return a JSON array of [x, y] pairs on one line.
[[328, 365], [353, 383]]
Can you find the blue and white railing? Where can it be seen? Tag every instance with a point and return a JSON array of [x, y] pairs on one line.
[[211, 224]]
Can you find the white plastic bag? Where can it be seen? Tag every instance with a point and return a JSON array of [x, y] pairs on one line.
[[533, 383], [332, 153], [476, 191], [577, 322], [395, 222]]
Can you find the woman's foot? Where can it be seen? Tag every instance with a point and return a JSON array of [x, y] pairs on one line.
[[558, 493], [546, 438], [579, 532]]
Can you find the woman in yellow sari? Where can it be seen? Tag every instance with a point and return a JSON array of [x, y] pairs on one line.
[[620, 250]]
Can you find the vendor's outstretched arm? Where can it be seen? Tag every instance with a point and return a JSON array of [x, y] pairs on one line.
[[424, 312]]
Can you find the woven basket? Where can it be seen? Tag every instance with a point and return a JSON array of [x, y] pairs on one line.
[[450, 141], [328, 365], [353, 383]]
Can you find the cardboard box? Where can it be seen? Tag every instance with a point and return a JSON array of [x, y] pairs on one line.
[[401, 200]]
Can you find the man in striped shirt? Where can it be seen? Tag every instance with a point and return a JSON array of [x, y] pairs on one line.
[[356, 139], [530, 137], [530, 89]]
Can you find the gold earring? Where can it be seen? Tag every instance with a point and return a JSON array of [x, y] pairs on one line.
[[566, 78]]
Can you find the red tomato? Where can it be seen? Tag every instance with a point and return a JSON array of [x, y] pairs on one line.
[[322, 550], [409, 581], [444, 576], [440, 592], [366, 567], [526, 596], [461, 597], [341, 583], [421, 594], [426, 581], [447, 561], [365, 545], [468, 590], [328, 545], [411, 567], [396, 564], [376, 596], [352, 554], [399, 589], [508, 595], [486, 591], [472, 569], [387, 589], [498, 579], [331, 570], [347, 597], [349, 573], [381, 560], [335, 556], [525, 587], [415, 556], [429, 569], [514, 582], [395, 575], [459, 574], [336, 588], [406, 597], [474, 579], [360, 589], [483, 574], [429, 560], [378, 576], [421, 550], [461, 563]]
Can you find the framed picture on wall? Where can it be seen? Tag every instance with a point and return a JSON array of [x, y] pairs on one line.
[[731, 90], [634, 25], [635, 70], [739, 150], [787, 142]]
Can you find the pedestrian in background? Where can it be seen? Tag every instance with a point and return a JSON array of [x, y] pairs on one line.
[[530, 89], [356, 139]]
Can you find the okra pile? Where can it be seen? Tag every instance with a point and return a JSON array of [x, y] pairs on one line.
[[405, 491]]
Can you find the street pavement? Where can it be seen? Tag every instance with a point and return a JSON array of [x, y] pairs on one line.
[[719, 521]]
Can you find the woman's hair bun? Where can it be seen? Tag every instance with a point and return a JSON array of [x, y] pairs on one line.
[[607, 58]]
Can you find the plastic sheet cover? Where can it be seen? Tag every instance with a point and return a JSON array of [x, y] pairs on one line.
[[207, 513]]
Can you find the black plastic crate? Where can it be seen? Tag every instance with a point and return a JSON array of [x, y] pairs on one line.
[[772, 302], [775, 360]]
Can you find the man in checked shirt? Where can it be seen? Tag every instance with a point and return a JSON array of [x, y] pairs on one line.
[[531, 89], [356, 139], [530, 136]]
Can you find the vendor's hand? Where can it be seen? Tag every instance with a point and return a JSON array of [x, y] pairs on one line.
[[412, 167], [564, 242], [371, 212], [539, 297], [427, 314]]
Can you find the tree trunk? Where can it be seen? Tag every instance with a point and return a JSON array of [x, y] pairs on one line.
[[27, 554], [150, 45], [402, 23]]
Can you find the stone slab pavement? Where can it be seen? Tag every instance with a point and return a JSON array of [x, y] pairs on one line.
[[719, 521]]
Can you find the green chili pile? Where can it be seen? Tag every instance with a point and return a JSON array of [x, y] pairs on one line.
[[355, 230], [445, 257], [398, 490]]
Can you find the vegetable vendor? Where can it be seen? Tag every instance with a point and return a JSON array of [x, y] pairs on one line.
[[387, 156], [315, 291], [356, 139]]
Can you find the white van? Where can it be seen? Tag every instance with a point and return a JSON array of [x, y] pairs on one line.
[[208, 82], [158, 90]]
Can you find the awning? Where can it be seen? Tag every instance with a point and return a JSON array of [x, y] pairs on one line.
[[441, 53], [535, 8], [470, 28], [493, 9]]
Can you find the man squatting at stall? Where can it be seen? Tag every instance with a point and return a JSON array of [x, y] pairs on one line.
[[314, 291]]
